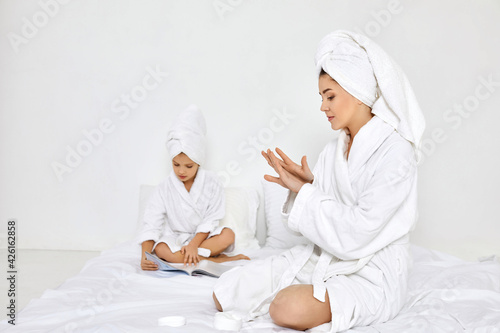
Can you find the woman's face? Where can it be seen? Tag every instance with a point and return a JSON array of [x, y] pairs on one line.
[[185, 169], [339, 106]]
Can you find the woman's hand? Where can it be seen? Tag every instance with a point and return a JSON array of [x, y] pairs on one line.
[[190, 253], [148, 265], [291, 175], [302, 171]]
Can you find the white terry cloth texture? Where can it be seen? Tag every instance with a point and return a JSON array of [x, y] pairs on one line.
[[240, 214], [368, 73], [278, 236], [113, 294], [357, 223], [358, 213], [187, 135], [174, 215]]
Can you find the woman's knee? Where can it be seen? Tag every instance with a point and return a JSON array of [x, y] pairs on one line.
[[285, 310], [295, 307]]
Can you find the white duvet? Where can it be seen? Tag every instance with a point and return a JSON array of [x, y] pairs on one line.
[[112, 294]]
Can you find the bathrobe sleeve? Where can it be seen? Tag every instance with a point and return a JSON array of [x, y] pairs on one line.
[[154, 223], [214, 194], [381, 215]]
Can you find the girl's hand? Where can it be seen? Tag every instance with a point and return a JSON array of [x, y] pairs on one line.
[[302, 172], [190, 253], [287, 179], [148, 265]]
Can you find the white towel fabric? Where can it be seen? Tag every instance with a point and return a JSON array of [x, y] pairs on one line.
[[187, 135], [174, 216], [357, 216], [368, 73]]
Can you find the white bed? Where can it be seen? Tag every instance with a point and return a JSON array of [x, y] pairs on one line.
[[112, 293]]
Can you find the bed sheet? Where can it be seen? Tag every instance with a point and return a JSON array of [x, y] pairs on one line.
[[112, 294]]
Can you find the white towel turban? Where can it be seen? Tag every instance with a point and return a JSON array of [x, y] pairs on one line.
[[366, 72], [187, 135]]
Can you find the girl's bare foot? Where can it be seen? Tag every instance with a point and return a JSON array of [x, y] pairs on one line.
[[223, 258]]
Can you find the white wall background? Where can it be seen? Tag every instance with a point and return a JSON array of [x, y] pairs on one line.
[[65, 67]]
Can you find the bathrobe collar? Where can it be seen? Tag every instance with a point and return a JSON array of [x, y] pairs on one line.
[[369, 138], [193, 195]]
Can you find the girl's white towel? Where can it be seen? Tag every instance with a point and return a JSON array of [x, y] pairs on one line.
[[187, 135]]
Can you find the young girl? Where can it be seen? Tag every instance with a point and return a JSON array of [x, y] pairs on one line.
[[356, 208], [181, 221]]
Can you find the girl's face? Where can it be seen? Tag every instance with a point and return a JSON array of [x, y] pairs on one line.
[[185, 169], [339, 106]]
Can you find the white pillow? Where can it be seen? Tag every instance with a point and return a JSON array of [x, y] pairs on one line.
[[241, 216], [278, 236], [145, 191], [241, 213]]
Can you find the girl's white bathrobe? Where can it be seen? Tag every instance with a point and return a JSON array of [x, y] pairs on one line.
[[357, 215], [174, 215]]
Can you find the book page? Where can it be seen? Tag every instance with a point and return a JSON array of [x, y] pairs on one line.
[[212, 268], [204, 267], [168, 266]]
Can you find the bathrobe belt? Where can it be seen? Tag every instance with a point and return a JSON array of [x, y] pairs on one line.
[[318, 277], [321, 274]]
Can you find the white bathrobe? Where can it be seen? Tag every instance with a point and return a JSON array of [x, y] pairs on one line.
[[357, 215], [174, 215]]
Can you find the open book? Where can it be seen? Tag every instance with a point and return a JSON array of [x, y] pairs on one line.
[[204, 267]]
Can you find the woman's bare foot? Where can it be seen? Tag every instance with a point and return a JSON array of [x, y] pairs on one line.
[[223, 258]]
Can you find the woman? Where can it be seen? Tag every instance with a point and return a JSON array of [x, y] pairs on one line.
[[356, 208]]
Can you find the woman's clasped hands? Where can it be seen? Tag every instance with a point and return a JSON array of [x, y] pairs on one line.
[[291, 175]]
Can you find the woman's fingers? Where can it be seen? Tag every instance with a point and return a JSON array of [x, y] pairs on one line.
[[266, 157], [275, 180], [305, 166], [276, 162], [303, 161], [283, 174], [285, 158], [270, 162], [272, 179], [272, 157], [288, 164], [279, 166], [306, 169]]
